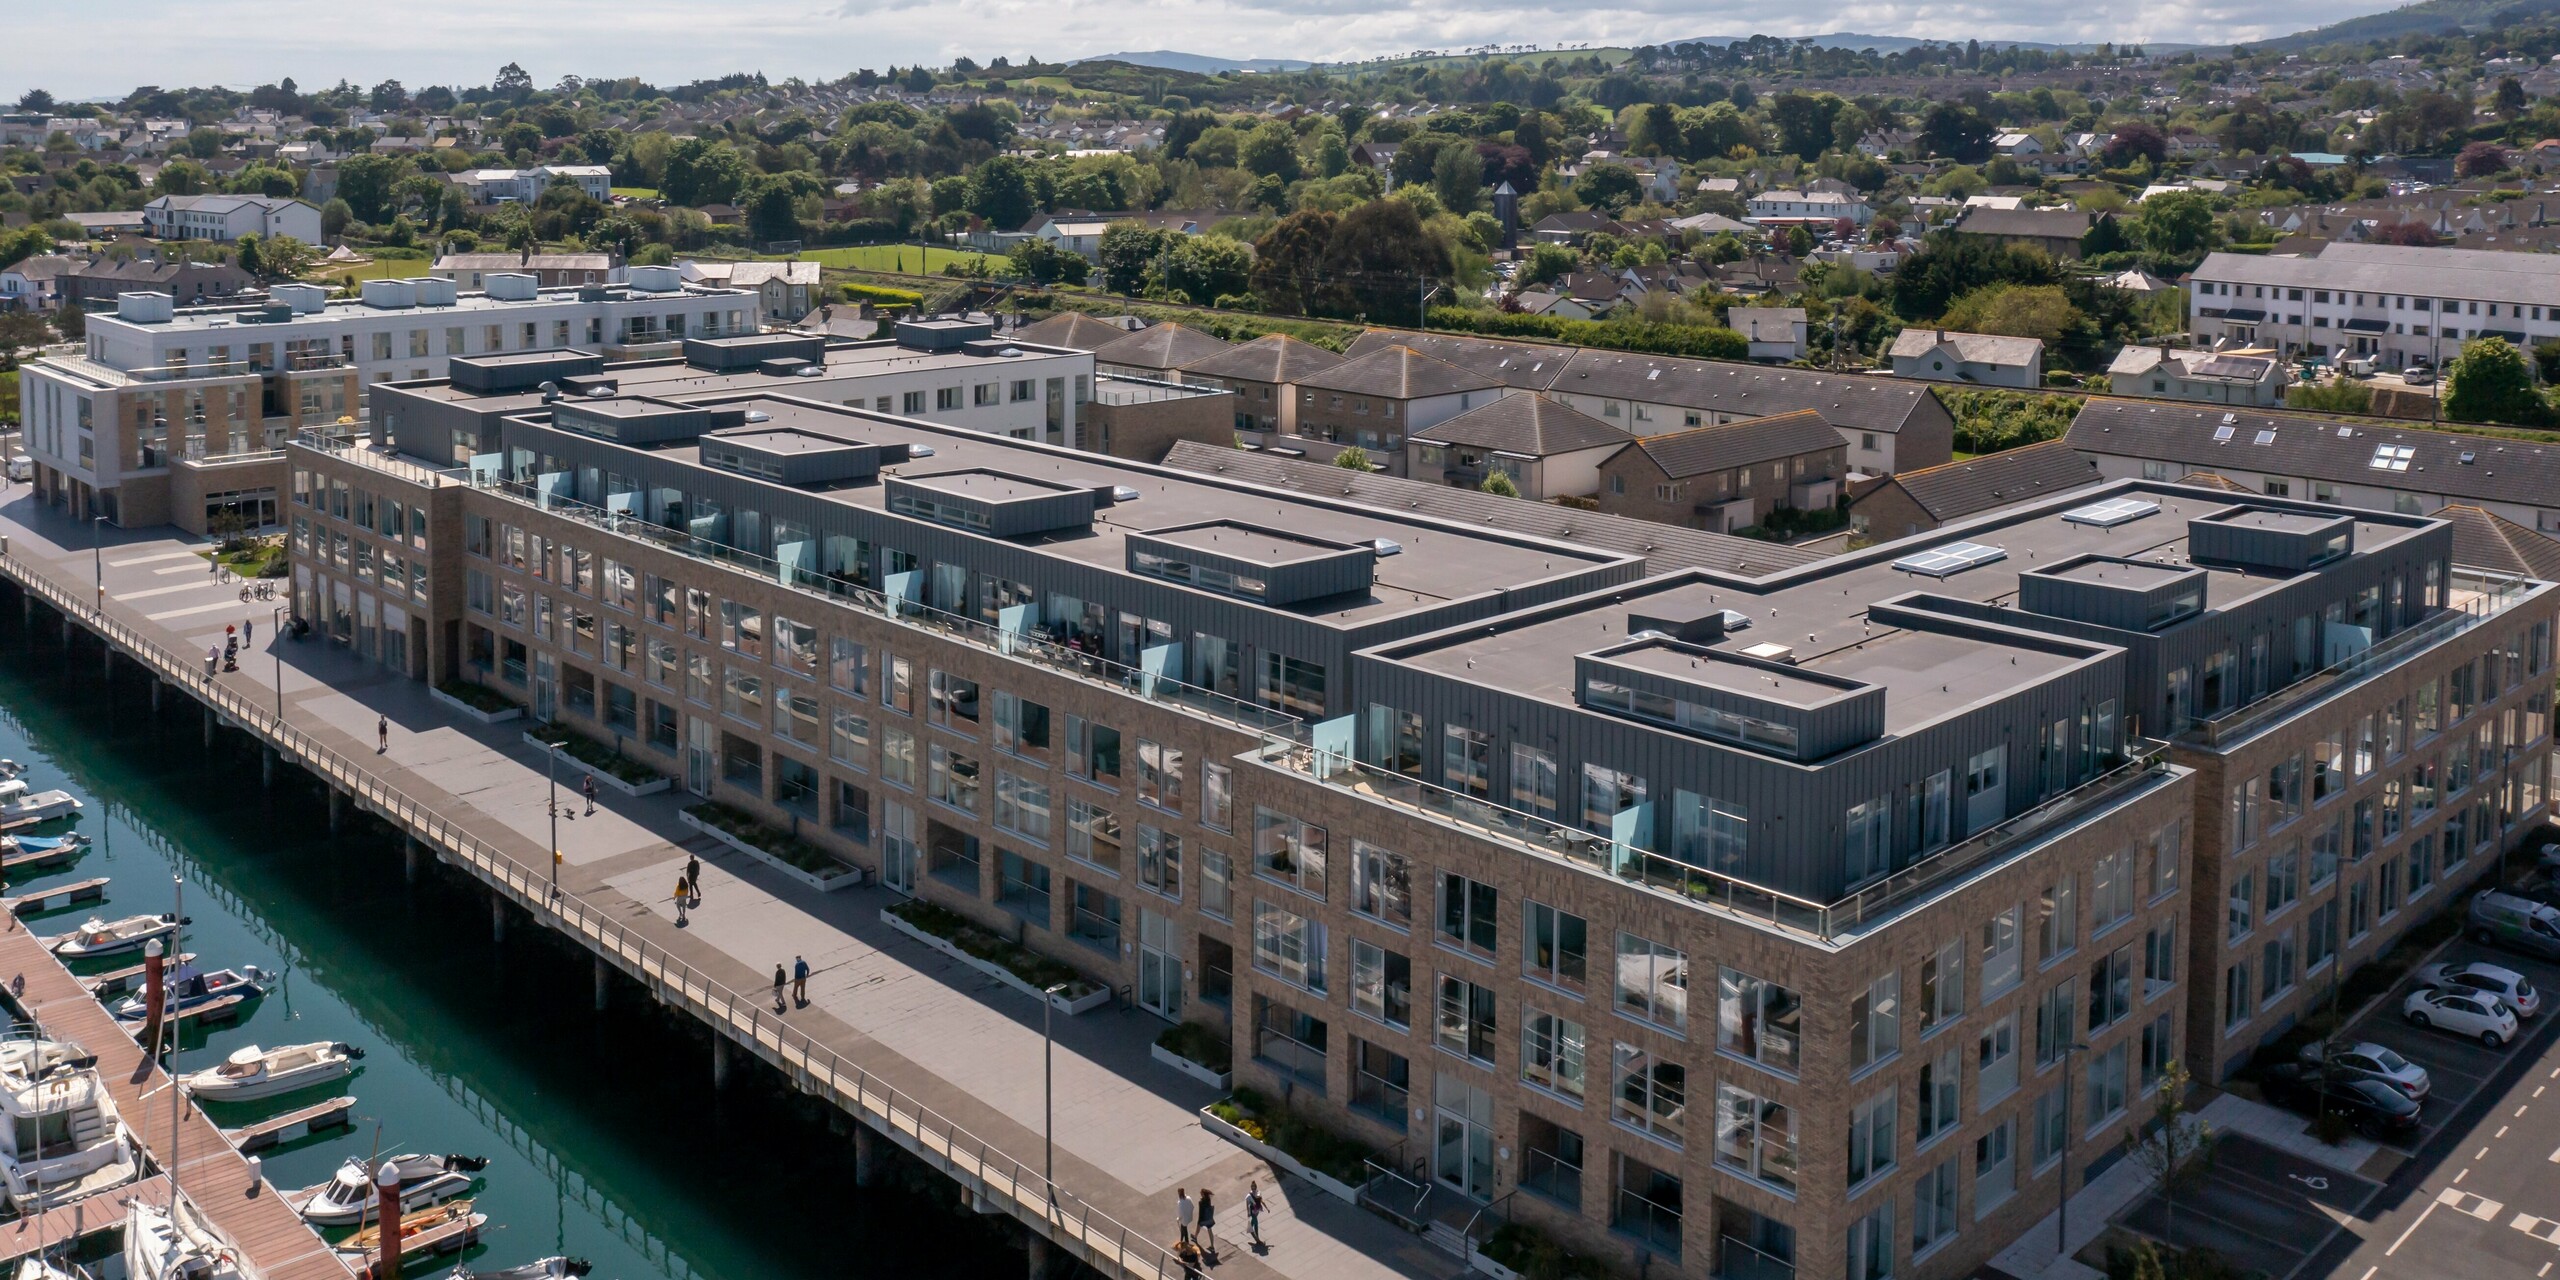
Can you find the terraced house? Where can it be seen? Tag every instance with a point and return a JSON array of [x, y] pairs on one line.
[[1742, 922]]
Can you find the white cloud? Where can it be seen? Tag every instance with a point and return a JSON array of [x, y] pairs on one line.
[[241, 42]]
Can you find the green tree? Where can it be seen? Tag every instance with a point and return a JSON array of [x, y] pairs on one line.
[[1382, 261], [2015, 310], [1353, 458], [181, 178], [1956, 131], [1804, 120], [2168, 1146], [366, 183], [2176, 226], [1608, 186], [1000, 192], [1548, 262], [700, 171], [1288, 261], [1271, 150], [2490, 382], [1206, 268], [285, 257], [1044, 262], [1457, 178], [1498, 483], [1129, 251], [771, 202]]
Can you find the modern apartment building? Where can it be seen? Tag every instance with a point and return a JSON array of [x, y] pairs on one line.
[[1446, 824], [2390, 303]]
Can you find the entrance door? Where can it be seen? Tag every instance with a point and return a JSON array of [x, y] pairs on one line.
[[898, 847], [546, 687], [702, 756], [1159, 968], [1462, 1154]]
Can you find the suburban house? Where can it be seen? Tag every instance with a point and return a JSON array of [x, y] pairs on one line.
[[35, 283], [1081, 233], [2388, 303], [1729, 477], [1157, 351], [99, 282], [1548, 449], [549, 270], [789, 290], [1264, 375], [1910, 502], [226, 218], [2056, 231], [1888, 424], [1378, 156], [1986, 359], [2408, 470], [510, 186], [1775, 333], [2212, 376], [1078, 330], [1375, 400], [1814, 207]]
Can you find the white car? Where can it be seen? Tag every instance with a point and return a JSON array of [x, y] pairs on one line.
[[2510, 987], [2464, 1013]]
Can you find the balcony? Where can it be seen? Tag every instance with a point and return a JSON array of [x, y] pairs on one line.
[[349, 449], [1032, 647], [2474, 599], [1827, 923]]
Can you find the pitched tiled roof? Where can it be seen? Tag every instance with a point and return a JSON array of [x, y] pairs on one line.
[[1984, 220], [1273, 357], [1073, 329], [1972, 348], [1739, 444], [1398, 373], [1665, 547], [2460, 467], [1160, 346], [1531, 426], [2486, 541], [1958, 489], [2213, 480]]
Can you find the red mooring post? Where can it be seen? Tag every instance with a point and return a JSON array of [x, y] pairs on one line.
[[154, 992], [389, 1181]]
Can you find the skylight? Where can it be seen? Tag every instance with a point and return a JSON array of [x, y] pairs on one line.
[[2112, 512], [2222, 435], [1950, 560], [2393, 457], [2266, 436]]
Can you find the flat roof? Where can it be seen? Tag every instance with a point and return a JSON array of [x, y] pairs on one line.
[[1440, 561], [1773, 682], [2117, 573], [250, 318], [783, 441], [989, 486], [672, 377], [2281, 521]]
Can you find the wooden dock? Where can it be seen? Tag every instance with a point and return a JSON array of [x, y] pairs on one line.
[[58, 897], [241, 1205], [293, 1126], [56, 1228], [451, 1237], [116, 982]]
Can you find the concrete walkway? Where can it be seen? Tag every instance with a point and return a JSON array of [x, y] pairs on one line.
[[1127, 1131]]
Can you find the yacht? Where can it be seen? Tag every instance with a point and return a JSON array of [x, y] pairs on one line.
[[251, 1073], [351, 1198], [63, 1140], [175, 1242]]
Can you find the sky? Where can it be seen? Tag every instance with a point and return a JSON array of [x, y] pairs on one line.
[[463, 42]]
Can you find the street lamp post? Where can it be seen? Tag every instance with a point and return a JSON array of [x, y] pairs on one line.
[[98, 560], [275, 638], [551, 770], [2062, 1181], [1048, 1091]]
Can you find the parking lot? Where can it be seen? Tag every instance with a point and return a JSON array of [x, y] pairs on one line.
[[2289, 1216]]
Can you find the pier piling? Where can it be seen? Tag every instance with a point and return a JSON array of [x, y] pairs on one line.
[[869, 1160], [413, 859], [157, 684], [720, 1051], [208, 745], [604, 983], [337, 800], [266, 760], [498, 920], [1036, 1256]]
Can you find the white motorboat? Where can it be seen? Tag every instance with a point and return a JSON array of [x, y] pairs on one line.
[[546, 1269], [26, 1058], [251, 1073], [159, 1245], [190, 991], [10, 769], [96, 938], [63, 1139], [351, 1198], [41, 1268], [36, 806]]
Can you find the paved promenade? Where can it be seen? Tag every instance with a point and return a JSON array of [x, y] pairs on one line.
[[1127, 1134]]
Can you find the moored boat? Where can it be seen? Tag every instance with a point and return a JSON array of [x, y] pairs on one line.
[[556, 1268], [162, 1245], [190, 991], [251, 1073], [98, 937], [351, 1198], [63, 1139]]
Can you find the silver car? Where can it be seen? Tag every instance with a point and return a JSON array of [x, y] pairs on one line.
[[2365, 1060], [2511, 988]]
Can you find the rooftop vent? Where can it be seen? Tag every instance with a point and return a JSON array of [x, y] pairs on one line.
[[1387, 546], [1950, 560], [1771, 651], [1124, 493]]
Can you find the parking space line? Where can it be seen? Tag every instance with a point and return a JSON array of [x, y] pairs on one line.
[[2411, 1230], [2542, 1229], [152, 559], [2466, 1172], [2482, 1153], [2520, 1107], [2481, 1207], [2502, 1132]]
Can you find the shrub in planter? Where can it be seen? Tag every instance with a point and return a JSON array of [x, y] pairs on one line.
[[587, 750], [781, 844], [1529, 1251], [476, 697], [1309, 1143], [1199, 1044], [1022, 962]]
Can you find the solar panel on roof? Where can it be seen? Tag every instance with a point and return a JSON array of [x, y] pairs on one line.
[[2112, 512], [1951, 559]]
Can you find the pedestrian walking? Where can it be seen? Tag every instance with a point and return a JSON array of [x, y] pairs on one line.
[[680, 897], [590, 788], [800, 981], [693, 877], [382, 733], [1184, 1213], [778, 1005], [248, 634], [1209, 1221], [1253, 1211]]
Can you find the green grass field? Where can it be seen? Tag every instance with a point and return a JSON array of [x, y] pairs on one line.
[[892, 257], [637, 193], [378, 269]]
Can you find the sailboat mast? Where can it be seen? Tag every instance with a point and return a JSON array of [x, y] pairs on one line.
[[177, 1096]]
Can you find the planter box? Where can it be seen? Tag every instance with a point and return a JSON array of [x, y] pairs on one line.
[[1279, 1159], [467, 711], [1484, 1266], [845, 879], [1069, 1005], [1213, 1079], [603, 777]]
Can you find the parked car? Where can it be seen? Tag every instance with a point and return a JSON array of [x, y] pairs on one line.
[[2517, 923], [2464, 1013], [2365, 1060], [2511, 988], [2418, 375], [2374, 1108], [21, 467]]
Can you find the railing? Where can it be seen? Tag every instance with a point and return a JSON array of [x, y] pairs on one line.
[[1738, 1261], [1487, 1220], [1389, 1192], [1716, 890], [2491, 596], [1657, 1225], [1029, 647], [1551, 1176], [347, 448], [1074, 1223]]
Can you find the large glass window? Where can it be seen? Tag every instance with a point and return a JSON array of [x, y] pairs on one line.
[[1758, 1020]]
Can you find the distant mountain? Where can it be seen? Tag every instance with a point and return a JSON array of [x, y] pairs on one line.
[[2428, 17], [1199, 63], [1896, 44]]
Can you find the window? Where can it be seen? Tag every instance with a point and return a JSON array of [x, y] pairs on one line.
[[952, 778], [1093, 834], [1093, 751], [2111, 890], [898, 757], [1160, 860], [1556, 946], [1871, 1245], [2284, 881], [1381, 884], [2160, 957], [1466, 1018], [1381, 1082], [1551, 1052], [2110, 988], [952, 702], [1217, 794], [1288, 946], [1941, 1093], [2238, 997], [1875, 1022], [1382, 984], [1022, 805], [1871, 1150], [2159, 1049], [1653, 984], [1289, 849], [1996, 1061], [1023, 888], [1021, 726], [1651, 1095], [1933, 1207], [2275, 966], [1755, 1137], [2057, 919], [849, 737], [1217, 883], [2241, 907], [2106, 1091], [1758, 1020], [1941, 987], [1467, 913], [1995, 1167], [2168, 850], [848, 665], [1159, 775], [2001, 967], [2055, 1011]]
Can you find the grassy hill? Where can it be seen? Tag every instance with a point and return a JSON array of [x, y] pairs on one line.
[[2426, 17]]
